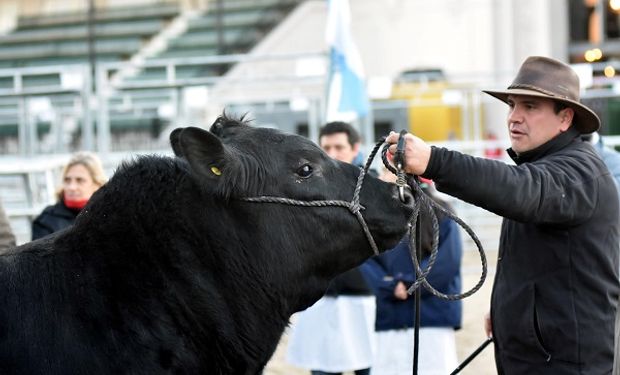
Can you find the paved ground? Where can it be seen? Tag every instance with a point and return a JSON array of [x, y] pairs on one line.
[[468, 338]]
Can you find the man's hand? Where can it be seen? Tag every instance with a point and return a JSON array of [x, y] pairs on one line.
[[487, 325], [417, 152]]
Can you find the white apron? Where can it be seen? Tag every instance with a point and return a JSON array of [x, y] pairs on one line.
[[394, 352], [334, 335]]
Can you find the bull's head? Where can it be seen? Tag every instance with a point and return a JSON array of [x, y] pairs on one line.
[[234, 161]]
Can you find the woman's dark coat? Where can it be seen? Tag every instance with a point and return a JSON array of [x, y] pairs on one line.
[[52, 219], [556, 284]]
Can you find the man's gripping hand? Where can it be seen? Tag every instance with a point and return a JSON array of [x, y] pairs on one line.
[[417, 152]]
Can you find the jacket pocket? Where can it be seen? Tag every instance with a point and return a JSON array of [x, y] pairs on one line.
[[537, 329], [518, 328], [554, 322]]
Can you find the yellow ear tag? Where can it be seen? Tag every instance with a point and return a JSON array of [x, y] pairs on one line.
[[216, 171]]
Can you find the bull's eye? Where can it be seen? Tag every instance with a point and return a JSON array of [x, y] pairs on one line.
[[305, 171]]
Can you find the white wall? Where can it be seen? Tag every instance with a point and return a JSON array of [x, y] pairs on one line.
[[399, 34], [391, 35], [480, 42], [476, 39], [522, 28], [8, 15]]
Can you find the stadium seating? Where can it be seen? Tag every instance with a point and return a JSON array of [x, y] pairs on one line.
[[122, 33], [243, 24], [63, 38]]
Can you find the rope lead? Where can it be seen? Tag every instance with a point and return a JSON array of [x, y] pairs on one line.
[[421, 201]]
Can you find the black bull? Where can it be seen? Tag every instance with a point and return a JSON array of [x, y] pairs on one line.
[[168, 270]]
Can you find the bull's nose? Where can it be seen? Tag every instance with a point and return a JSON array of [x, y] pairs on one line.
[[406, 196]]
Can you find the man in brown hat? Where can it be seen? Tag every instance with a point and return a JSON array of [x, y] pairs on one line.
[[556, 285]]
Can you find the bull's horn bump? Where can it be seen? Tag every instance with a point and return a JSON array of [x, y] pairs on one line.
[[216, 171]]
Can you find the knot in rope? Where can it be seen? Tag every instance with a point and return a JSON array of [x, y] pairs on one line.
[[355, 208]]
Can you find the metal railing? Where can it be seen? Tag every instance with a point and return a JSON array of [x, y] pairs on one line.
[[32, 102]]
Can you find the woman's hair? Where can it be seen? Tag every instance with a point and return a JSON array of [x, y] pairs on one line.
[[91, 162]]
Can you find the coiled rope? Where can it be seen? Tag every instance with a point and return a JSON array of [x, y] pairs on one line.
[[421, 201]]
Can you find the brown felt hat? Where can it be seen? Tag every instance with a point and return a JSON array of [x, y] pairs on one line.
[[549, 78]]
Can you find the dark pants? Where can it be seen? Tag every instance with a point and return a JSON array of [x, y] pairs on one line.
[[365, 371]]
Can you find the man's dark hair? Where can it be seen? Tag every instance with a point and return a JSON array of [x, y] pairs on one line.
[[558, 106], [341, 127]]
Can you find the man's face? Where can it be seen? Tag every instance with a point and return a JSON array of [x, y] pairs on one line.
[[532, 121], [337, 147]]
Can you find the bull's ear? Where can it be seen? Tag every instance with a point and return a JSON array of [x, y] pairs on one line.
[[174, 142], [205, 152]]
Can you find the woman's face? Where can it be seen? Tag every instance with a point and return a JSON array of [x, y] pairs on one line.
[[78, 184]]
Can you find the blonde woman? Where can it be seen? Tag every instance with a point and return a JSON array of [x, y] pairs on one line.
[[81, 177]]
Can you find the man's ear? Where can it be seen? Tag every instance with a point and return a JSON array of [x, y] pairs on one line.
[[205, 152], [356, 148], [566, 117]]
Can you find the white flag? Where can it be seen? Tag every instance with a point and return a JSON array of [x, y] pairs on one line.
[[346, 93]]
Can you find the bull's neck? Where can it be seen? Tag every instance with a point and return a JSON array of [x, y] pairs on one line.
[[159, 228]]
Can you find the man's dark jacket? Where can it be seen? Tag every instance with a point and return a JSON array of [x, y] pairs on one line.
[[556, 284]]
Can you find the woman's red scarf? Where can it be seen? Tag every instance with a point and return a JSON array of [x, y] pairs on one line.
[[75, 204]]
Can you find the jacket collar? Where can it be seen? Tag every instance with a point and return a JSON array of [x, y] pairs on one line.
[[59, 209], [553, 145]]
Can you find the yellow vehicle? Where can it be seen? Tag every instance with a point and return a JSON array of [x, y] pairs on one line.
[[432, 114]]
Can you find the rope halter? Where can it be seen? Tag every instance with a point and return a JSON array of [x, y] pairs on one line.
[[421, 200], [354, 206]]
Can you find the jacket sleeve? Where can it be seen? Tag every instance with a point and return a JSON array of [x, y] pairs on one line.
[[558, 189], [379, 277], [7, 239]]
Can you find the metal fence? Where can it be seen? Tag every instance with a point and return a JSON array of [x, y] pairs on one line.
[[48, 112], [51, 109]]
